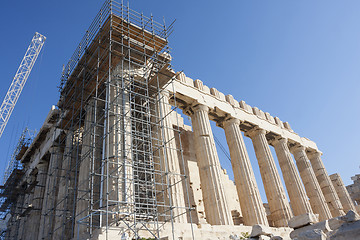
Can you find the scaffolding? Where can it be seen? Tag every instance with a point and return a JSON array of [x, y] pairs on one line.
[[110, 167], [11, 195]]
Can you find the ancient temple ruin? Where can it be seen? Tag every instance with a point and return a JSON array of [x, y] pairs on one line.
[[115, 160]]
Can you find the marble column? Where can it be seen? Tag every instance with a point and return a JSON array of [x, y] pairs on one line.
[[250, 201], [278, 203], [298, 199], [48, 204], [87, 189], [65, 188], [35, 216], [118, 181], [171, 160], [312, 187], [342, 192], [216, 210], [25, 223], [325, 183]]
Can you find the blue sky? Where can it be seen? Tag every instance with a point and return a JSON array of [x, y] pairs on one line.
[[298, 60]]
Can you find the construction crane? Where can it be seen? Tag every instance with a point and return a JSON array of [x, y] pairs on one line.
[[19, 80]]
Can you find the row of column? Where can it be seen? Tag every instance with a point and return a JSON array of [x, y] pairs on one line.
[[318, 196]]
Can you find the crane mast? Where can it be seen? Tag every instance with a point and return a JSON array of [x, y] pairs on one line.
[[20, 78]]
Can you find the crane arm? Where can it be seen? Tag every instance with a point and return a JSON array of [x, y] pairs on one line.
[[19, 80]]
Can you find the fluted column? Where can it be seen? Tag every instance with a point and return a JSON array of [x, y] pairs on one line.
[[216, 210], [35, 215], [172, 161], [278, 203], [88, 189], [342, 192], [325, 183], [312, 187], [65, 188], [48, 204], [299, 201], [250, 201]]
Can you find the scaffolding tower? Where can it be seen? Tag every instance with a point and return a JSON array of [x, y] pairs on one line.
[[11, 195], [111, 167]]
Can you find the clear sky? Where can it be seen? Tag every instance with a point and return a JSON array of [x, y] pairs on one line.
[[297, 60]]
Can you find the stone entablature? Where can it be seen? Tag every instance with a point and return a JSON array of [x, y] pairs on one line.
[[223, 106]]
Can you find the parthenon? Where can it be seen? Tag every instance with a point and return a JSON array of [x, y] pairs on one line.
[[115, 159]]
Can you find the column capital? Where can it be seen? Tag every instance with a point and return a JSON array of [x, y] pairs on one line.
[[195, 107], [279, 139], [42, 166], [297, 148], [230, 120], [255, 131], [314, 153], [200, 107]]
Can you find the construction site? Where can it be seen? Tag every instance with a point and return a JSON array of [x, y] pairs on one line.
[[114, 158]]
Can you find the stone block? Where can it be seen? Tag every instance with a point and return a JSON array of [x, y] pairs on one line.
[[270, 118], [347, 231], [276, 238], [279, 122], [189, 82], [222, 96], [258, 230], [287, 126], [323, 226], [350, 216], [214, 92], [335, 223], [314, 234], [242, 104], [303, 220], [256, 111], [198, 84], [206, 89], [230, 99], [262, 237], [181, 77], [262, 115]]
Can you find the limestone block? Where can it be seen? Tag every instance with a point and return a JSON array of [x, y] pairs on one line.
[[198, 84], [303, 220], [314, 234], [323, 226], [206, 89], [214, 92], [258, 230]]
